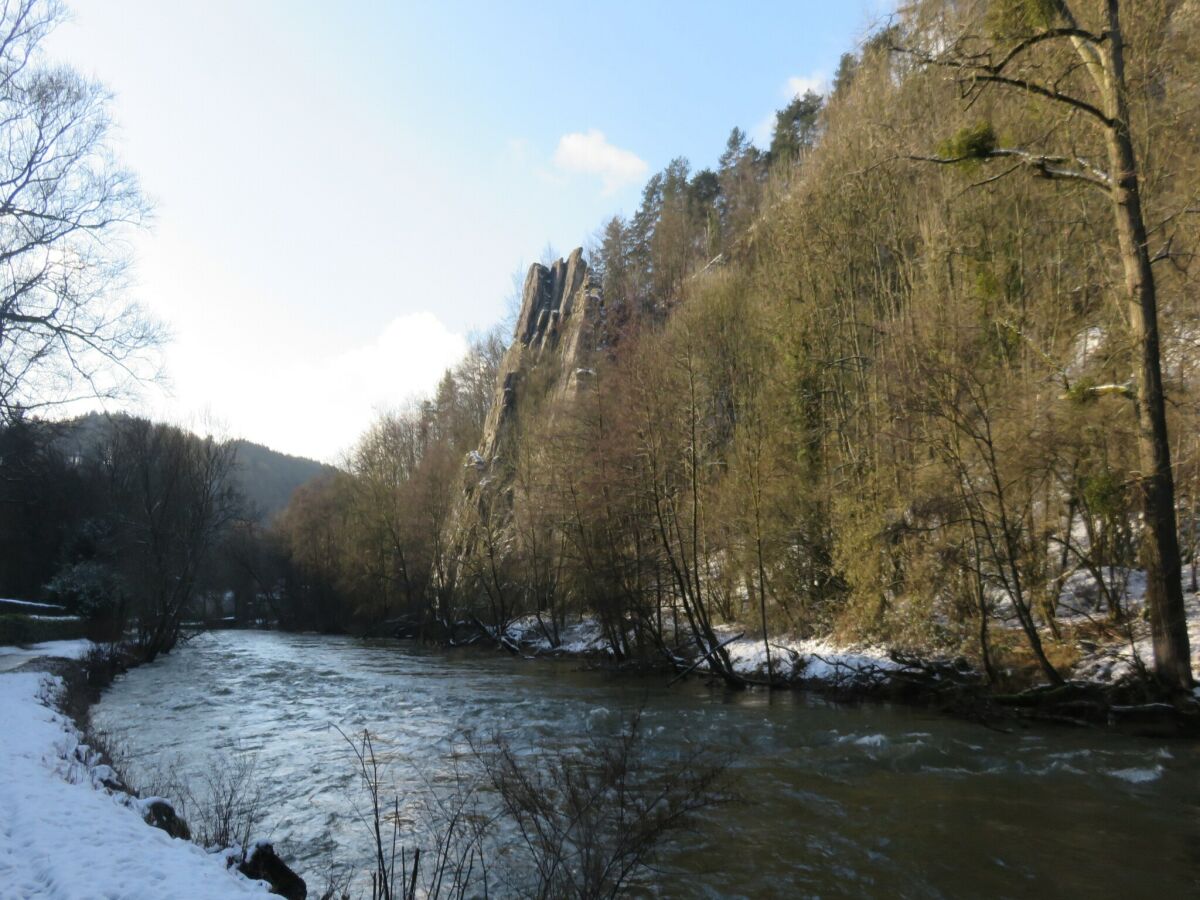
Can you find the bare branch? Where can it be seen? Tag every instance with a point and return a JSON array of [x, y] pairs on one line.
[[1043, 165]]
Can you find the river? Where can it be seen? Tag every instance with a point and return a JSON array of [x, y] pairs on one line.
[[833, 800]]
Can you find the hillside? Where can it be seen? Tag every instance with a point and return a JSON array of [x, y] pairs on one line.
[[266, 477], [879, 381]]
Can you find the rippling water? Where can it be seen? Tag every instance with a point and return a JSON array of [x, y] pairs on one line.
[[835, 801]]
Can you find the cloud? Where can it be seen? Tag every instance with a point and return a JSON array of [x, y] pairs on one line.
[[327, 404], [799, 85], [316, 406], [590, 153], [761, 133]]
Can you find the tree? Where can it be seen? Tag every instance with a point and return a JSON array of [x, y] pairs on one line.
[[64, 208], [171, 497], [740, 173], [795, 128], [1030, 39]]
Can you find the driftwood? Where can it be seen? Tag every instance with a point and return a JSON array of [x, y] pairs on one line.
[[706, 656]]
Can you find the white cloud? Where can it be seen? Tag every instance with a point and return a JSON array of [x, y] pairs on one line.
[[799, 85], [761, 133], [324, 405], [590, 153], [316, 406]]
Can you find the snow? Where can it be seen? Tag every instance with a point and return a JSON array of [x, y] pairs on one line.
[[1116, 661], [29, 603], [799, 659], [577, 639], [64, 835], [15, 657], [825, 661], [792, 659]]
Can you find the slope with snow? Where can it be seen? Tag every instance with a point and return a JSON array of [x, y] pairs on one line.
[[64, 836]]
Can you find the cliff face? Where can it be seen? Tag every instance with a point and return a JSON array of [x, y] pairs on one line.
[[546, 366], [556, 334]]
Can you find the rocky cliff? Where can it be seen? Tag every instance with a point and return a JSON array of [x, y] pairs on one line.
[[545, 368], [556, 334]]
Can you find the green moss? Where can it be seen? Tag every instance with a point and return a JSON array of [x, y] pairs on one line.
[[971, 143], [1081, 391], [1016, 18], [1106, 495]]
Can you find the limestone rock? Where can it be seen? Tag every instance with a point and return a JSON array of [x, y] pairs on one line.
[[557, 329], [545, 368]]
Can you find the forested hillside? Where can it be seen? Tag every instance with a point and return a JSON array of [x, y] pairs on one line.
[[137, 526], [265, 478], [892, 379]]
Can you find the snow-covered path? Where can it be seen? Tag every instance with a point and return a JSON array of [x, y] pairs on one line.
[[63, 837]]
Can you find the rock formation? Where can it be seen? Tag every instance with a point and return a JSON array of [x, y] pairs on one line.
[[546, 367], [556, 331]]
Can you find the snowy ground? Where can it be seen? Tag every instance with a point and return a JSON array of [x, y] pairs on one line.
[[15, 657], [811, 660], [824, 661], [8, 605], [63, 834], [792, 659], [1115, 661]]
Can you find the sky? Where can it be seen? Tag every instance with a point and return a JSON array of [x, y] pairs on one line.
[[343, 192]]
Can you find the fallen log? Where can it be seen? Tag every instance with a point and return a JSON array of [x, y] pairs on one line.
[[708, 655]]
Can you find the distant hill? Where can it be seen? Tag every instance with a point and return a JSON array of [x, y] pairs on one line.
[[267, 478]]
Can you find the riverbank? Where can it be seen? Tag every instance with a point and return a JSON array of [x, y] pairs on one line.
[[70, 828], [1105, 685]]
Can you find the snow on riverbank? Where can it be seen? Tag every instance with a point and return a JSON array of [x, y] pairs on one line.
[[63, 835], [811, 660], [15, 657], [1123, 659], [792, 659], [822, 661]]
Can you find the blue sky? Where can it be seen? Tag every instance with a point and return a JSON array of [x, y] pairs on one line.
[[343, 191]]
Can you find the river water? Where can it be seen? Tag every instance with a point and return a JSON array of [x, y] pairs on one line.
[[833, 800]]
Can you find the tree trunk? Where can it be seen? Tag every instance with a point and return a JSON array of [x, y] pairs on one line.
[[1160, 544]]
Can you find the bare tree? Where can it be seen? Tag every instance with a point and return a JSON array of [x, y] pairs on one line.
[[65, 205], [590, 822], [1047, 51], [173, 497]]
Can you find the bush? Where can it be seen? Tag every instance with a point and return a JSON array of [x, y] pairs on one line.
[[592, 820], [95, 592]]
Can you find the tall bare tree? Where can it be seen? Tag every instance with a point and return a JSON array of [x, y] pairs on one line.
[[1046, 49], [64, 208]]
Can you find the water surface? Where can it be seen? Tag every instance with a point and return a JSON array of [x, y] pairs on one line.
[[835, 801]]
